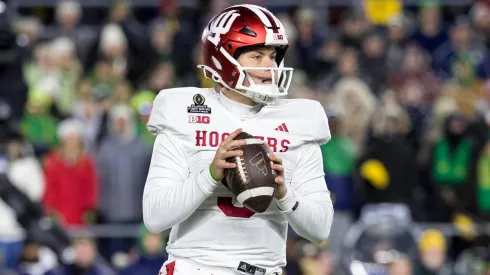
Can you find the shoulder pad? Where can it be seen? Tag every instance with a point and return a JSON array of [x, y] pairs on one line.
[[169, 105], [311, 121]]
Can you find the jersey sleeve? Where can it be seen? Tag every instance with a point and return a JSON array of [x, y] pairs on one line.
[[322, 131], [158, 119], [172, 193], [313, 217]]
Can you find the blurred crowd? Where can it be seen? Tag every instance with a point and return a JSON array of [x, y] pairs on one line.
[[408, 102]]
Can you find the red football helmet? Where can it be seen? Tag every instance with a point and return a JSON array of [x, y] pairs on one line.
[[225, 37]]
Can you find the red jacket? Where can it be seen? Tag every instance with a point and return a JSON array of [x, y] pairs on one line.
[[71, 190]]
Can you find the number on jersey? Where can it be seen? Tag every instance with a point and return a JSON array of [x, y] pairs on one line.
[[227, 207]]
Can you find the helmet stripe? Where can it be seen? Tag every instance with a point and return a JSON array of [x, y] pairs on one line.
[[274, 26], [228, 18], [259, 14]]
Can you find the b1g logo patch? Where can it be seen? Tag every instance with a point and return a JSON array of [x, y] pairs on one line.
[[199, 119], [278, 36], [198, 107]]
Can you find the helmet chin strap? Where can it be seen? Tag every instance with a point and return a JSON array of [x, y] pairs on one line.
[[258, 97], [255, 96]]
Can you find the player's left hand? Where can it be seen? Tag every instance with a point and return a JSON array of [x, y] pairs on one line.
[[276, 165]]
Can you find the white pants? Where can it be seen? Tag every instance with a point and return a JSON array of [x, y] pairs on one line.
[[182, 266]]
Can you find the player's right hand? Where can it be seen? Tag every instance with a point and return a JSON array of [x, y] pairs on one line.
[[225, 150]]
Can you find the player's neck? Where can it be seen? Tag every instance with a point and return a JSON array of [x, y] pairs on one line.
[[238, 107], [237, 97]]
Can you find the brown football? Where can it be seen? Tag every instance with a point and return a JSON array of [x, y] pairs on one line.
[[252, 181]]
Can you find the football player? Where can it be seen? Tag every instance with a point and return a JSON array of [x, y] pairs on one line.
[[212, 233]]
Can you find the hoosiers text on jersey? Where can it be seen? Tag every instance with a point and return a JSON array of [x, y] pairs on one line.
[[213, 139]]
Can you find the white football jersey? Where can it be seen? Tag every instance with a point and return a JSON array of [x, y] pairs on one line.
[[221, 232]]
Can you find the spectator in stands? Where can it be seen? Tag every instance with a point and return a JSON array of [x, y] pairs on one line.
[[464, 87], [415, 68], [442, 108], [161, 38], [121, 94], [387, 167], [339, 162], [181, 22], [483, 183], [291, 57], [54, 73], [300, 87], [480, 16], [433, 258], [147, 47], [114, 50], [25, 173], [36, 259], [411, 98], [29, 28], [327, 262], [5, 271], [85, 261], [485, 2], [373, 61], [396, 35], [293, 256], [71, 178], [327, 56], [316, 261], [347, 67], [89, 109], [214, 7], [38, 125], [13, 88], [451, 175], [195, 77], [483, 103], [40, 65], [141, 102], [308, 41], [431, 32], [122, 161], [21, 164], [68, 19], [401, 266], [152, 254], [68, 15], [162, 77], [460, 45], [353, 29], [355, 106], [69, 70]]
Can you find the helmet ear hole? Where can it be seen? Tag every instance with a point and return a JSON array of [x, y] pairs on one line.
[[216, 78], [229, 47]]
